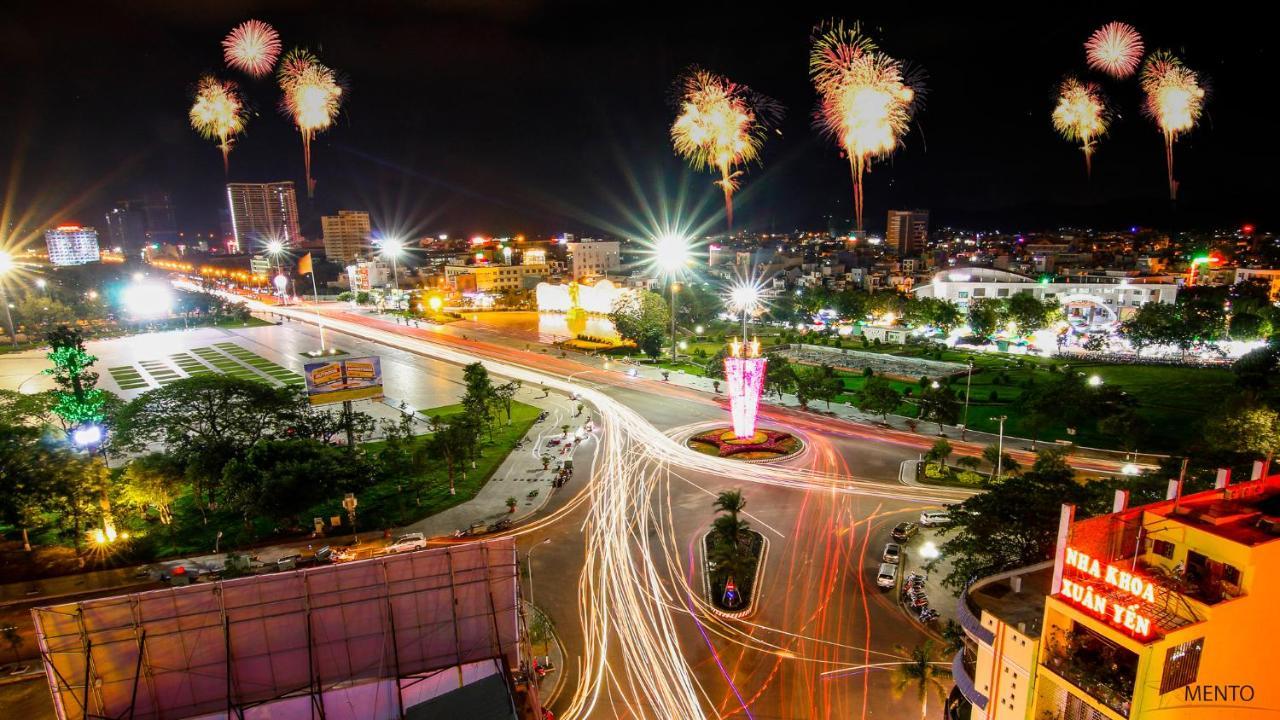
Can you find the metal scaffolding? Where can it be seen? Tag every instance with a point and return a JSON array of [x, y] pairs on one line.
[[365, 640]]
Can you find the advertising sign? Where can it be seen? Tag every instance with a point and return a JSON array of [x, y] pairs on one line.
[[334, 381]]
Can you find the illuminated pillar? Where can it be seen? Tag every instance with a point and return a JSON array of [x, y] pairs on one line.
[[744, 370]]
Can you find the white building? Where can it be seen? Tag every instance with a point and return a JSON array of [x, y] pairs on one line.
[[366, 275], [593, 258], [1114, 296], [346, 235], [72, 245]]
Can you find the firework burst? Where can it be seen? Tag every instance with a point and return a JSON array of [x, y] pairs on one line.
[[252, 48], [1174, 100], [721, 126], [310, 96], [1081, 116], [866, 101], [1115, 49], [218, 112]]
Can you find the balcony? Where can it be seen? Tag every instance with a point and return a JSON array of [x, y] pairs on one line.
[[963, 676], [968, 615], [1094, 666]]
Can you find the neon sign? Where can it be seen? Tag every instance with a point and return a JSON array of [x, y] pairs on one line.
[[1127, 617]]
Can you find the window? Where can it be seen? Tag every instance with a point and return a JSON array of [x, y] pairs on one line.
[[1002, 292], [1181, 665], [1163, 548], [964, 294], [979, 292]]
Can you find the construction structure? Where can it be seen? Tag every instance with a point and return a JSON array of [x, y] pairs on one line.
[[434, 633]]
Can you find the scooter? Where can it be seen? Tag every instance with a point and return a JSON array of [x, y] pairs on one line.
[[928, 615]]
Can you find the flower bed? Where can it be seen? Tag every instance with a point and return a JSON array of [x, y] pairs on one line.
[[765, 445], [745, 585]]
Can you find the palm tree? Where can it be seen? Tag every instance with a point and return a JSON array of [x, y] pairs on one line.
[[923, 671], [732, 531], [968, 462], [730, 501], [1008, 465]]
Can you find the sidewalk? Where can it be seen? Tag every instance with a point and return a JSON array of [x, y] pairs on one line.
[[550, 685]]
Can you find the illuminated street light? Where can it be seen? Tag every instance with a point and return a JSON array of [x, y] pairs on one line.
[[392, 248], [697, 329], [87, 436], [929, 551], [435, 303], [147, 299], [6, 266], [745, 298], [671, 253], [1095, 381]]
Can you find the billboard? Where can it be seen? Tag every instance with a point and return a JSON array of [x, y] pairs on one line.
[[334, 381]]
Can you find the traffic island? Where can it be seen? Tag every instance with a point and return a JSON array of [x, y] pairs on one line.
[[731, 592], [763, 445]]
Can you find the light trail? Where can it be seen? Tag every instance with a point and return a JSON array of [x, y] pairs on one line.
[[632, 591]]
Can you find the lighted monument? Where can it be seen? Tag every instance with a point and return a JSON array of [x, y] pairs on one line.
[[744, 369]]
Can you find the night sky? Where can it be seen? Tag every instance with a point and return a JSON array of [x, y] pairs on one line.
[[538, 117]]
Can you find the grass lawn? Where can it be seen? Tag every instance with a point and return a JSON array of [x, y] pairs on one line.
[[1172, 399]]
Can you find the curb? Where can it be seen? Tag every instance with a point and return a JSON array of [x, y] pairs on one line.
[[755, 584]]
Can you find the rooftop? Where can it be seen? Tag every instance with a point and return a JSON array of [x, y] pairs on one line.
[[1023, 610], [1248, 513]]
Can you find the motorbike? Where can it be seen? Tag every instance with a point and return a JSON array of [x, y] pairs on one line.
[[928, 614]]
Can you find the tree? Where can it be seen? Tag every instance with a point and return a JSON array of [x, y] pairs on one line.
[[205, 421], [730, 502], [642, 318], [28, 466], [452, 442], [878, 397], [279, 479], [1152, 324], [78, 400], [1127, 426], [984, 316], [939, 405], [969, 462], [1255, 369], [40, 315], [698, 305], [779, 376], [399, 459], [1249, 326], [940, 451], [479, 396], [1247, 428], [153, 481], [1013, 524], [504, 395], [1029, 312], [1008, 466], [923, 672]]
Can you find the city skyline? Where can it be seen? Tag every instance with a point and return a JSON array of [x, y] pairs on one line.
[[443, 134]]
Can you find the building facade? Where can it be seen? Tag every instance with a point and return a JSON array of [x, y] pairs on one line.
[[262, 212], [593, 258], [907, 231], [494, 278], [72, 245], [347, 235], [1145, 613]]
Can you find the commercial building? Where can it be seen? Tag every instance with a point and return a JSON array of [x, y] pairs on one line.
[[262, 212], [1269, 276], [72, 245], [593, 258], [1162, 610], [907, 231], [365, 275], [347, 235], [494, 278], [1092, 301]]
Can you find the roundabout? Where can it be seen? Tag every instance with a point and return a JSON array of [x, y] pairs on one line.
[[763, 445]]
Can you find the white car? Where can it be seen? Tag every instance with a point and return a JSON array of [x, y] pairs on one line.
[[930, 518], [888, 575], [408, 543]]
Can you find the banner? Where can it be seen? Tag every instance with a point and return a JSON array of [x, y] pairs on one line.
[[335, 381]]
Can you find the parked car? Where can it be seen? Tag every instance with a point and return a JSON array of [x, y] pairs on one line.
[[892, 553], [931, 518], [888, 575], [407, 543], [903, 531]]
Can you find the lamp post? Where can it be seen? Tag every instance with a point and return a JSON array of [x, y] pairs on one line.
[[671, 253], [391, 248], [349, 504], [528, 559], [275, 248], [968, 384], [1000, 449], [6, 265]]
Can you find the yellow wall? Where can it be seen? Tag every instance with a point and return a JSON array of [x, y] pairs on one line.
[[1005, 671]]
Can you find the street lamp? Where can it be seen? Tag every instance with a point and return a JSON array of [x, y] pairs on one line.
[[1000, 449], [671, 253], [968, 384], [6, 265], [745, 296], [392, 248], [528, 559], [1095, 381]]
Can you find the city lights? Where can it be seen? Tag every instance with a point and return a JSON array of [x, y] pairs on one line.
[[147, 299]]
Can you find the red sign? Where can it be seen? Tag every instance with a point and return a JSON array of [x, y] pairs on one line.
[[1127, 617]]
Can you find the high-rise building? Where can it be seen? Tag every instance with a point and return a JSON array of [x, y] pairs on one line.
[[261, 212], [159, 221], [126, 228], [346, 235], [593, 258], [907, 232], [72, 245]]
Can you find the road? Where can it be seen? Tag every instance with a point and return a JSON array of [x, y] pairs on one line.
[[646, 642]]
